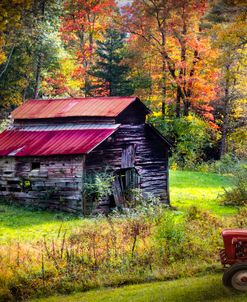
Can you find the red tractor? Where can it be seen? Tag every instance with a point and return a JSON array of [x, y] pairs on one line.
[[235, 255]]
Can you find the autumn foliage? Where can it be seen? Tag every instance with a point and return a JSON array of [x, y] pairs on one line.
[[184, 57]]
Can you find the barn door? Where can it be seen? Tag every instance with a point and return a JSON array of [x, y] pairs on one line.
[[126, 179]]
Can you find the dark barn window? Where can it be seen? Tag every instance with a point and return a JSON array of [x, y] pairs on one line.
[[35, 165]]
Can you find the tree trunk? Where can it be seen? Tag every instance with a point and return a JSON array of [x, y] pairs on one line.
[[164, 89], [8, 61], [163, 106], [37, 77], [41, 9], [178, 103], [183, 70], [225, 126], [186, 107]]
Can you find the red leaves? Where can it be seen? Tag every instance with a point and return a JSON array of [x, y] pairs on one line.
[[83, 21], [55, 86], [82, 15], [172, 30]]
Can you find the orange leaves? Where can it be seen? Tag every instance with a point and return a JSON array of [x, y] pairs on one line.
[[172, 30], [82, 15], [55, 86], [79, 71], [82, 23]]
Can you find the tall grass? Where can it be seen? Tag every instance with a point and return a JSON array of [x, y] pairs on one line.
[[149, 245]]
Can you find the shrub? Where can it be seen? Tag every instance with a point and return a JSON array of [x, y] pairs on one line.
[[190, 136], [241, 217], [228, 164], [237, 142], [141, 204], [97, 186], [237, 196], [170, 236], [203, 234], [5, 295]]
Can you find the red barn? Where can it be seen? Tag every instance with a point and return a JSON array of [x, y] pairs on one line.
[[54, 144]]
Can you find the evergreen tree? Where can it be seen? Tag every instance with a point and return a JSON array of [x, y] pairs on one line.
[[110, 69]]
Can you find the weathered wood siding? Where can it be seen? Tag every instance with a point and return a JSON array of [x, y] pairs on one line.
[[150, 158], [57, 184], [134, 114]]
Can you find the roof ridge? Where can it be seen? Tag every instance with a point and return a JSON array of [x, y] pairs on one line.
[[83, 98]]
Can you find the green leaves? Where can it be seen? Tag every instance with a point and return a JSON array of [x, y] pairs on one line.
[[110, 66]]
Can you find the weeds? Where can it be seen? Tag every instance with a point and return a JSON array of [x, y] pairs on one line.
[[237, 196], [132, 247]]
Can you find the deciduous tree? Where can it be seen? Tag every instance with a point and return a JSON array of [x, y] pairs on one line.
[[82, 23], [230, 37], [173, 30]]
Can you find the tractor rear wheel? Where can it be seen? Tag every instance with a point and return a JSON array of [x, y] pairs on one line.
[[236, 277]]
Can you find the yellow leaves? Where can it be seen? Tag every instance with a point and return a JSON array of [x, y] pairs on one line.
[[2, 57], [62, 82], [189, 118], [230, 34], [237, 142], [11, 13], [67, 66], [11, 98], [22, 83], [157, 114], [240, 108]]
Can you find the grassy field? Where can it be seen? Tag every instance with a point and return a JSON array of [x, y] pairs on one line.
[[200, 189], [199, 289], [186, 189], [100, 252]]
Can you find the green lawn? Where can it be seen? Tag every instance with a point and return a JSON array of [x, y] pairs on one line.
[[26, 225], [199, 289], [199, 189], [186, 188]]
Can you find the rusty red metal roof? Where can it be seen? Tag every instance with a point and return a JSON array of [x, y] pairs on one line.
[[73, 107], [54, 142]]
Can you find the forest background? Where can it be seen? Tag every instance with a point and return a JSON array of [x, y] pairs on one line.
[[186, 59]]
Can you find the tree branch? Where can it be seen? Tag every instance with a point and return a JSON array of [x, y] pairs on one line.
[[7, 63]]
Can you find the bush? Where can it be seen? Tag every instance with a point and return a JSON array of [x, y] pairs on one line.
[[228, 164], [203, 234], [237, 196], [4, 124], [237, 142], [97, 186], [5, 295], [190, 136], [241, 217], [170, 236]]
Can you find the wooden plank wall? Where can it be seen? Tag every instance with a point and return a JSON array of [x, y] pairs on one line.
[[56, 185], [151, 158]]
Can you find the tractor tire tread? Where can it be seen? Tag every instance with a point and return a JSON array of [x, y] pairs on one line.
[[227, 276]]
